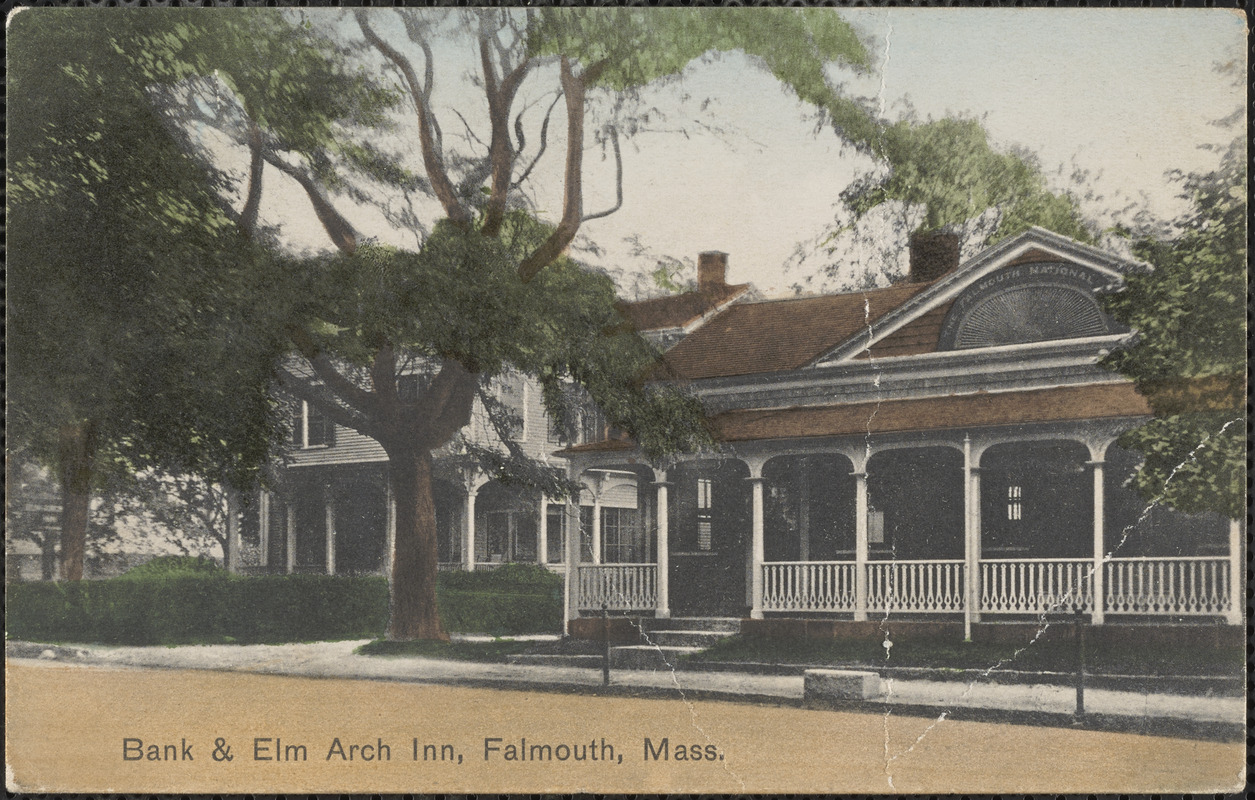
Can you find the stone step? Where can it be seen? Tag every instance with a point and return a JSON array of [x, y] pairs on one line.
[[727, 625], [701, 639], [640, 656]]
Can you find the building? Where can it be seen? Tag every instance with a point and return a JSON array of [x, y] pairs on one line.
[[332, 511], [941, 449]]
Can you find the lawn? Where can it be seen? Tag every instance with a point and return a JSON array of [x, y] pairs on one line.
[[950, 654]]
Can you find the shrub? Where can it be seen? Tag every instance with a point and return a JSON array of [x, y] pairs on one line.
[[179, 601]]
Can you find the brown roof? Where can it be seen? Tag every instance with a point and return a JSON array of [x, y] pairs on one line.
[[778, 335], [678, 310], [1088, 401]]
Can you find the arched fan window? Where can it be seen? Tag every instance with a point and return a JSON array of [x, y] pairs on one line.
[[1031, 314]]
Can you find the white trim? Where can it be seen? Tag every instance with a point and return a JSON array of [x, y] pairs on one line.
[[954, 283]]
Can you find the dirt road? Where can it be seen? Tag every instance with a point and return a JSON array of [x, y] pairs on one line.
[[84, 729]]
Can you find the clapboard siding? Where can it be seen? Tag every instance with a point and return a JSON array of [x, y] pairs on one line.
[[351, 447]]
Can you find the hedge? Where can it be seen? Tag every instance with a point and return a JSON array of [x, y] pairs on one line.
[[190, 608]]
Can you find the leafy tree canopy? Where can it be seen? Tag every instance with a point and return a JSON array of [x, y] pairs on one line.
[[1190, 355]]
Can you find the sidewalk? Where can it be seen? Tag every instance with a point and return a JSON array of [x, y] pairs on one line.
[[1146, 712]]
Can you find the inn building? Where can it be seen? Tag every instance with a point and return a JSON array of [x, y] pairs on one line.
[[943, 448]]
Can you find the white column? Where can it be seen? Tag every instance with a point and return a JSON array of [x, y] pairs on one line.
[[468, 530], [756, 548], [664, 552], [860, 546], [542, 532], [596, 529], [291, 537], [263, 527], [232, 555], [1237, 575], [390, 529], [571, 579], [1096, 617], [971, 544], [330, 524]]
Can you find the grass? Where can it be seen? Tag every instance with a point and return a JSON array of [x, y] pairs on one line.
[[950, 654], [494, 651]]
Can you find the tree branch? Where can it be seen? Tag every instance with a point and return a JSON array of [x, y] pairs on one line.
[[452, 394], [573, 199], [544, 142], [433, 159], [346, 390], [501, 151], [300, 387], [342, 233], [248, 215], [618, 179]]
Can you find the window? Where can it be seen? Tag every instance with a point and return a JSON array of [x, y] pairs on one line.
[[556, 533], [875, 526], [619, 543], [592, 424], [312, 428], [1015, 503], [512, 393], [704, 513], [407, 388]]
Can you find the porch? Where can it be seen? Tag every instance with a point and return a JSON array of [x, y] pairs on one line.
[[990, 525]]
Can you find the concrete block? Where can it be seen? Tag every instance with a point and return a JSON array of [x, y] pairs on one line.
[[820, 686]]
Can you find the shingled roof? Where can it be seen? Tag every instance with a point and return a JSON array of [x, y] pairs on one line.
[[776, 335], [677, 311], [981, 409]]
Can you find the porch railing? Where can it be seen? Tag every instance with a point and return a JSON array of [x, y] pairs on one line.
[[915, 586], [620, 587], [1035, 586], [1184, 585], [808, 586]]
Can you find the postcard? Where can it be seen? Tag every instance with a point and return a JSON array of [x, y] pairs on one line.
[[534, 400]]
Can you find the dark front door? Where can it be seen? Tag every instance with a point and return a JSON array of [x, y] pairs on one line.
[[709, 535]]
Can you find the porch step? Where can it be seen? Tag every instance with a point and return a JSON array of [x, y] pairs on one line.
[[643, 656], [668, 637], [728, 626]]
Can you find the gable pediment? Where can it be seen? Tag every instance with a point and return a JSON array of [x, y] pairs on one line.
[[1035, 287]]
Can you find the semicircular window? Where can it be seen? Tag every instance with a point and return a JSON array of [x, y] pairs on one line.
[[1031, 314]]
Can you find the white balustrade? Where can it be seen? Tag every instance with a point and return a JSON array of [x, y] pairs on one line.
[[1035, 585], [915, 586], [808, 586], [1181, 585], [620, 587]]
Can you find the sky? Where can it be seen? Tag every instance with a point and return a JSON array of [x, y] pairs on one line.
[[1125, 94]]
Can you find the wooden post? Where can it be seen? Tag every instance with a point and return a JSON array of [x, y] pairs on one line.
[[571, 523], [390, 529], [663, 611], [1237, 575], [597, 528], [1096, 616], [542, 532], [232, 555], [468, 530], [860, 546], [290, 542], [263, 527], [330, 527], [756, 548], [971, 544]]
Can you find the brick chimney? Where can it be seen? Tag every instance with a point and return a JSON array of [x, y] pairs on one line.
[[933, 254], [712, 271]]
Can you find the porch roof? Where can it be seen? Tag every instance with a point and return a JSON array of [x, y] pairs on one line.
[[774, 335], [981, 409]]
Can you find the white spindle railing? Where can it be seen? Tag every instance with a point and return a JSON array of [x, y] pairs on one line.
[[808, 586], [1177, 585], [620, 587], [915, 586], [1035, 586]]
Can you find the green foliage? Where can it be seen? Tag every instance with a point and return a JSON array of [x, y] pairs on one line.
[[1190, 355], [133, 304], [174, 566], [180, 600], [948, 168], [634, 47]]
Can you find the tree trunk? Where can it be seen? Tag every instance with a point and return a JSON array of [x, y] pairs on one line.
[[414, 613], [76, 457], [48, 557]]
